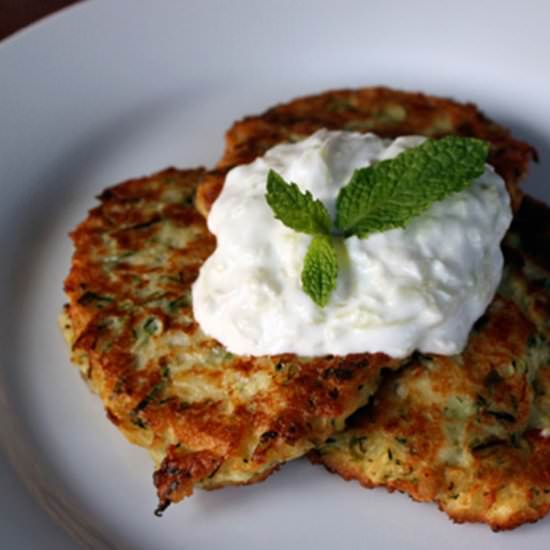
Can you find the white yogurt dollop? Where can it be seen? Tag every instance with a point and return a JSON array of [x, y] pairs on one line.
[[417, 288]]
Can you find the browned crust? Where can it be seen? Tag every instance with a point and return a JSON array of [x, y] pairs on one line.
[[119, 214], [384, 111], [179, 472]]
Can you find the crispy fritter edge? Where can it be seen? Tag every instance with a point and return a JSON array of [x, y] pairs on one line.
[[387, 112]]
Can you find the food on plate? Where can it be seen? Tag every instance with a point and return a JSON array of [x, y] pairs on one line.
[[210, 417], [471, 431]]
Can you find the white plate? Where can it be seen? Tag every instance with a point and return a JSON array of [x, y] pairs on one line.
[[110, 90]]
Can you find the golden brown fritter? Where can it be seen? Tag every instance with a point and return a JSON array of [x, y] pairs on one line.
[[208, 417], [386, 112], [466, 431]]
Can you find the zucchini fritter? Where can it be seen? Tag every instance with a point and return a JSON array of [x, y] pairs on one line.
[[209, 418], [386, 112], [466, 431]]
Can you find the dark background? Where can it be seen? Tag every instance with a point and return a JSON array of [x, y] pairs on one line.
[[16, 14]]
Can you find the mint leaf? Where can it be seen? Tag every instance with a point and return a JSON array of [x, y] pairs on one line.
[[390, 193], [297, 210], [320, 270]]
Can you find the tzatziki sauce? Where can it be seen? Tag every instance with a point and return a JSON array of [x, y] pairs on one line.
[[420, 287]]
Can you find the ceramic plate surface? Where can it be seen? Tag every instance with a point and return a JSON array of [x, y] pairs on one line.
[[111, 90]]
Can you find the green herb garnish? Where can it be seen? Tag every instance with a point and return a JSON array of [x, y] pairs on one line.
[[383, 196], [297, 210]]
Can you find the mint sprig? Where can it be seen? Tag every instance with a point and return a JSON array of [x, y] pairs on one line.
[[390, 193], [383, 196], [301, 212]]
